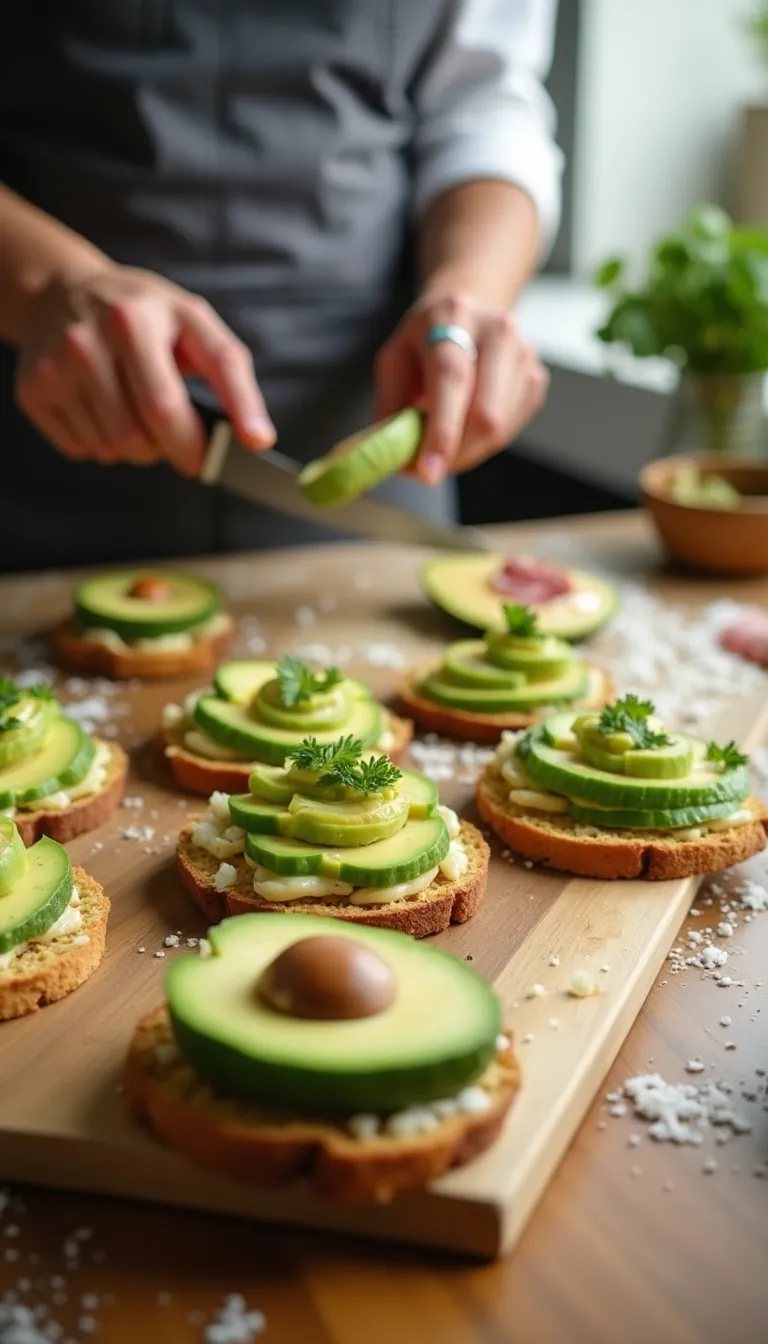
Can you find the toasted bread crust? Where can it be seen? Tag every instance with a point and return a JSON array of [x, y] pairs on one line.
[[442, 904], [466, 723], [558, 842], [83, 655], [49, 971], [265, 1148], [85, 814], [199, 774]]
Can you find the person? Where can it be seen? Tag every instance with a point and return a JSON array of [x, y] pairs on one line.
[[298, 214]]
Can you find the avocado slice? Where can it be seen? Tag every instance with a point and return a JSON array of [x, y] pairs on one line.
[[38, 897], [407, 1055], [538, 659], [64, 758], [573, 685], [274, 785], [465, 664], [344, 823], [13, 856], [417, 847], [327, 709], [232, 726], [647, 819], [462, 586], [33, 717], [106, 602], [363, 460], [560, 771], [240, 680]]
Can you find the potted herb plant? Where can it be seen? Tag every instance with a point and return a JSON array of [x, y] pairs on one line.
[[704, 304]]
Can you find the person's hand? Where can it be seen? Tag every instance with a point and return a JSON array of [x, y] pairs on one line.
[[473, 407], [101, 371]]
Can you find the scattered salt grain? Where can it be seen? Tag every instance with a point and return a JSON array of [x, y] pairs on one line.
[[680, 1112], [536, 991], [725, 1021], [171, 940], [554, 961], [159, 955], [140, 833], [528, 1037], [133, 802], [709, 1167], [234, 1324], [581, 984], [725, 930]]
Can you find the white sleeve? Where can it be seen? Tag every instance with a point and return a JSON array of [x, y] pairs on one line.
[[481, 107]]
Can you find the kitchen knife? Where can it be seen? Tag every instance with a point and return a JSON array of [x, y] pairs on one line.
[[270, 478]]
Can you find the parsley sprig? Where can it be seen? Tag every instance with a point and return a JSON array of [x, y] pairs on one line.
[[521, 620], [339, 763], [728, 756], [630, 715], [298, 682], [10, 695]]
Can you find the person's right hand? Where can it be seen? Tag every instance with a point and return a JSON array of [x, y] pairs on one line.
[[101, 371]]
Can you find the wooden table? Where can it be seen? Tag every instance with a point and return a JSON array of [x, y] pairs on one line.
[[629, 1243]]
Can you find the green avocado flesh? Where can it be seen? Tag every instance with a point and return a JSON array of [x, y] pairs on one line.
[[573, 685], [275, 785], [327, 709], [673, 762], [466, 664], [13, 856], [347, 820], [436, 1038], [34, 717], [63, 759], [38, 897], [649, 819], [363, 461], [462, 586], [105, 602], [413, 850], [233, 725], [537, 659], [564, 772]]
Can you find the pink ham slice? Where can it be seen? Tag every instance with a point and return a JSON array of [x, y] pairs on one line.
[[749, 637], [531, 582]]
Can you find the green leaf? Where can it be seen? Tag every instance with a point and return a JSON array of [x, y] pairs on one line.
[[10, 693], [312, 755], [368, 777], [630, 715], [298, 683], [521, 620], [610, 271], [728, 756]]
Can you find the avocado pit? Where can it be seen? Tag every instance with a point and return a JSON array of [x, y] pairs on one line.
[[151, 588], [328, 979]]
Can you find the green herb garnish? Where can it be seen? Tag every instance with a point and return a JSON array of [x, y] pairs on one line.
[[298, 682], [630, 715], [339, 763], [11, 693], [728, 756], [520, 620]]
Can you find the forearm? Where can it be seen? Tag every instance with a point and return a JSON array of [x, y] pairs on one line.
[[34, 250], [481, 238]]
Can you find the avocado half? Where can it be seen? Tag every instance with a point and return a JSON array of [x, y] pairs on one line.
[[436, 1038], [461, 585], [363, 461]]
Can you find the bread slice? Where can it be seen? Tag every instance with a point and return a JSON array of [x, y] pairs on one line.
[[200, 774], [46, 972], [259, 1147], [92, 659], [441, 904], [475, 727], [85, 814], [588, 851]]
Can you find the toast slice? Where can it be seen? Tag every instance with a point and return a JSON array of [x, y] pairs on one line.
[[84, 814], [589, 851], [266, 1148], [475, 727], [199, 774], [93, 659], [443, 903], [46, 972]]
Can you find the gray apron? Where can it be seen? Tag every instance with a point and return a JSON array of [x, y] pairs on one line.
[[255, 152]]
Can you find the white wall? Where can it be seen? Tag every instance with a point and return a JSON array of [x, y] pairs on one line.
[[660, 87]]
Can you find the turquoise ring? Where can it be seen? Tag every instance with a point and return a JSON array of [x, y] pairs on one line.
[[456, 335]]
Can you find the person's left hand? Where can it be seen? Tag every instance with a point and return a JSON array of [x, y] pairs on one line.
[[473, 407]]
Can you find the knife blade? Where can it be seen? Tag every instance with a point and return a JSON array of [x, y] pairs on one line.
[[270, 478]]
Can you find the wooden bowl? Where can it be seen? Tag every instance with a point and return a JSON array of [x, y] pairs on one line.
[[718, 541]]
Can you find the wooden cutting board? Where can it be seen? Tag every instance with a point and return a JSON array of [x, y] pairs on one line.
[[61, 1120]]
